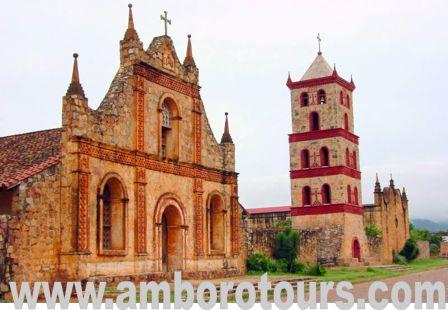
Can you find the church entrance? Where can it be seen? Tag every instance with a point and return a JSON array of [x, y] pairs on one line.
[[172, 240], [356, 250]]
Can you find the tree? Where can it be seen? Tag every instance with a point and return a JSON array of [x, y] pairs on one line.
[[287, 245]]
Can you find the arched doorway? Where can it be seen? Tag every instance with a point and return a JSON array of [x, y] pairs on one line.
[[356, 249], [172, 239]]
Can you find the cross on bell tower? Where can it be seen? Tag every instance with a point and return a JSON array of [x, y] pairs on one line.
[[318, 42], [166, 21]]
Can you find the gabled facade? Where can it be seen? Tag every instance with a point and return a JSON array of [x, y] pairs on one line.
[[141, 186]]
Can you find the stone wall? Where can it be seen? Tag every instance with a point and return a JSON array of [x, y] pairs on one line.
[[375, 248], [423, 247], [261, 241], [444, 249], [321, 245], [7, 224]]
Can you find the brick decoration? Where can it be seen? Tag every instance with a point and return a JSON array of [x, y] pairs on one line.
[[140, 96], [83, 204], [235, 220], [163, 79], [326, 209], [198, 216], [323, 134], [141, 209], [325, 171], [197, 121], [131, 158]]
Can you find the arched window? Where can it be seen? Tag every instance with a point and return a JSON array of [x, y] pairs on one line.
[[355, 193], [348, 101], [314, 121], [347, 157], [355, 160], [345, 121], [112, 217], [306, 196], [349, 194], [305, 159], [324, 157], [169, 130], [326, 194], [304, 100], [216, 220], [322, 97], [341, 97]]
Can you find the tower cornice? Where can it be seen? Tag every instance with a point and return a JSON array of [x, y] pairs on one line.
[[321, 81], [323, 134]]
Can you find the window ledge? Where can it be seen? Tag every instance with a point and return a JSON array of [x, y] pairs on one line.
[[113, 252]]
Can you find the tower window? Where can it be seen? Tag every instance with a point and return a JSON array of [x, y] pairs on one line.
[[355, 160], [166, 127], [348, 101], [304, 99], [326, 194], [306, 196], [324, 157], [347, 157], [349, 194], [169, 122], [314, 121], [341, 97], [345, 121], [322, 97], [355, 193], [305, 159]]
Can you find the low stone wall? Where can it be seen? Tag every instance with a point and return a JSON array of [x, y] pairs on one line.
[[321, 245], [261, 241], [7, 224], [423, 247], [375, 248], [444, 249]]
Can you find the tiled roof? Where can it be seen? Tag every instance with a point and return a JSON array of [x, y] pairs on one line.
[[25, 155], [318, 69], [269, 210]]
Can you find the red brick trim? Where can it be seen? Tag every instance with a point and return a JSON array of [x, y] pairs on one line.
[[326, 209], [325, 171], [323, 134], [165, 80], [321, 81]]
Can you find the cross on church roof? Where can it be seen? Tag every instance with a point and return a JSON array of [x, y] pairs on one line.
[[166, 21], [318, 42]]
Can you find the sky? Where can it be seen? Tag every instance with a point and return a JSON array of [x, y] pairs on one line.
[[395, 50]]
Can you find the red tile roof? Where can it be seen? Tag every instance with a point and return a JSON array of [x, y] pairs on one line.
[[269, 210], [25, 155]]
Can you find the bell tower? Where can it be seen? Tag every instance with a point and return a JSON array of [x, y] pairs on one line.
[[324, 166]]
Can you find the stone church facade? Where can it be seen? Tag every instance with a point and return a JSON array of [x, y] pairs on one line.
[[139, 186]]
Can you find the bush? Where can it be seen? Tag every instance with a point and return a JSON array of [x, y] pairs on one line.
[[282, 265], [372, 231], [410, 250], [398, 259], [434, 249], [297, 266], [316, 270], [258, 262], [287, 245], [370, 269]]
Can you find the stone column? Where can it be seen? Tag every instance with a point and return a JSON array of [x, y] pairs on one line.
[[197, 123], [83, 204], [199, 216], [140, 202], [235, 219]]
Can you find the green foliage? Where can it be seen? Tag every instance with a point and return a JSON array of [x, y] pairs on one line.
[[258, 262], [370, 269], [282, 265], [297, 266], [316, 270], [283, 224], [398, 259], [410, 250], [434, 249], [372, 231], [287, 245]]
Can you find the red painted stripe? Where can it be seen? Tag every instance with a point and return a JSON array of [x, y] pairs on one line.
[[321, 81], [327, 209], [325, 171], [323, 134]]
